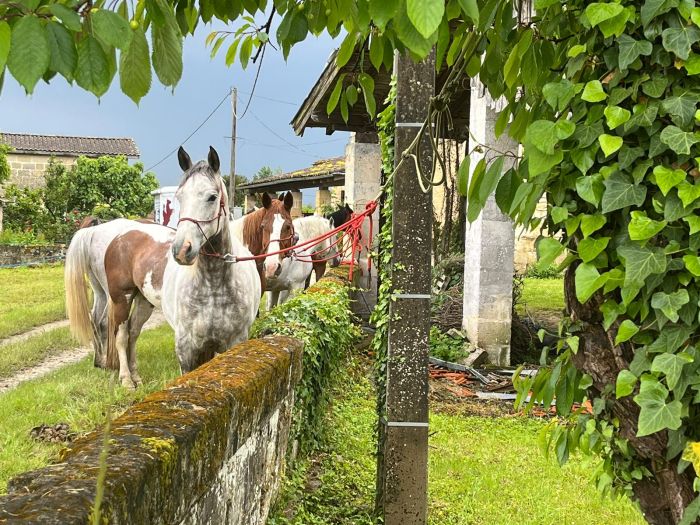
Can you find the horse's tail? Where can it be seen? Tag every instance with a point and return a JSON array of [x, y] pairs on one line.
[[77, 302], [112, 359]]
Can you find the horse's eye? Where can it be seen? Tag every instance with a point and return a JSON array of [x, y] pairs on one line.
[[212, 198]]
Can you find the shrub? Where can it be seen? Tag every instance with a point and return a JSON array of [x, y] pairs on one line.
[[321, 318], [538, 271], [447, 347]]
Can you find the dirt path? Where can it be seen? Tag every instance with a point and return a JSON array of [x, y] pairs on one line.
[[34, 331], [57, 361]]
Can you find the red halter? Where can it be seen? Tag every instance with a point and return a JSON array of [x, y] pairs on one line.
[[199, 222]]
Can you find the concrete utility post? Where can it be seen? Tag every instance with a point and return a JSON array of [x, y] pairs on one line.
[[404, 476], [232, 179]]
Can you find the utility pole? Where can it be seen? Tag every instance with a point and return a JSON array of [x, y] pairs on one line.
[[403, 470], [232, 179]]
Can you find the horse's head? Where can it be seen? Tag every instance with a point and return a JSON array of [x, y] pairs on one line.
[[277, 231], [203, 206], [89, 221]]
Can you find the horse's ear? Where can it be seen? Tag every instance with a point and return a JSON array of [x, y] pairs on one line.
[[281, 196], [184, 159], [288, 201], [266, 200], [213, 160]]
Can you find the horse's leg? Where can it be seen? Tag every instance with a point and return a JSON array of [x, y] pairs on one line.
[[99, 326], [121, 307], [272, 299], [140, 313], [283, 296]]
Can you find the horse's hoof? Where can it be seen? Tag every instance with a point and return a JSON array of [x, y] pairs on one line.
[[128, 383], [137, 380]]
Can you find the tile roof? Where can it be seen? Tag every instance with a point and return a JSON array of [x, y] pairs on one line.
[[69, 146], [320, 168]]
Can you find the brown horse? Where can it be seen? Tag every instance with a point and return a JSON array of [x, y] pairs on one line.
[[267, 230]]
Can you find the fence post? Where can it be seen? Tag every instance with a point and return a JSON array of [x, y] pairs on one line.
[[404, 471]]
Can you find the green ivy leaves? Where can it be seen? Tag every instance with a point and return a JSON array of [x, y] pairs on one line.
[[655, 413]]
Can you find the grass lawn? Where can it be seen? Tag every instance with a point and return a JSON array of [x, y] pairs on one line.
[[30, 297], [543, 300], [78, 395], [483, 470], [16, 356]]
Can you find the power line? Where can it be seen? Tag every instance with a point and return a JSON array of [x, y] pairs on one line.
[[276, 145], [268, 128], [192, 134], [287, 102]]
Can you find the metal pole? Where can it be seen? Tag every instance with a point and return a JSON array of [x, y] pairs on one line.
[[232, 179], [405, 464]]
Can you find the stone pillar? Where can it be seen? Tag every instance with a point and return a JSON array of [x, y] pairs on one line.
[[363, 166], [248, 202], [488, 260], [296, 207], [323, 200]]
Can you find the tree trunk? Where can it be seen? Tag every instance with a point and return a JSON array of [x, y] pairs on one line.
[[663, 497]]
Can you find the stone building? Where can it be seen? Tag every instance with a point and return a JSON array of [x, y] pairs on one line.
[[30, 154]]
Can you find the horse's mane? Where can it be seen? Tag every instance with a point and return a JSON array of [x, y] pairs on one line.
[[201, 167]]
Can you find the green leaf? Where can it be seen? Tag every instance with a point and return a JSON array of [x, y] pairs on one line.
[[543, 135], [382, 12], [678, 40], [471, 9], [692, 65], [669, 304], [692, 511], [652, 8], [694, 223], [594, 92], [64, 56], [590, 248], [584, 159], [539, 162], [92, 73], [626, 380], [588, 281], [69, 17], [345, 50], [559, 94], [590, 188], [167, 52], [5, 39], [548, 249], [641, 262], [29, 55], [335, 95], [655, 414], [626, 331], [376, 51], [591, 224], [642, 227], [681, 108], [615, 25], [616, 116], [692, 263], [620, 193], [609, 143], [425, 15], [559, 214], [351, 94], [463, 176], [576, 50], [598, 12], [246, 51], [135, 67], [631, 49], [678, 140], [667, 178], [367, 83], [688, 193], [411, 37], [111, 28], [671, 365]]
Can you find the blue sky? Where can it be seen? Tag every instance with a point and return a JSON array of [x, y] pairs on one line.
[[165, 118]]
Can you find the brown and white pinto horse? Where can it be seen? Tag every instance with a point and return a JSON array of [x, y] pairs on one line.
[[209, 300], [267, 230]]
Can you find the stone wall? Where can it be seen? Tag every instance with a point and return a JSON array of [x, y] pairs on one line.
[[208, 449], [28, 170], [525, 254], [28, 255]]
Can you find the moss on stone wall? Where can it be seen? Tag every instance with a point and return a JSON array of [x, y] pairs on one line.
[[167, 450]]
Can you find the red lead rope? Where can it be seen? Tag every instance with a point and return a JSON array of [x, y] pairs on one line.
[[351, 229]]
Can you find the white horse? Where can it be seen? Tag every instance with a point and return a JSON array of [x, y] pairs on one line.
[[296, 271], [209, 301]]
